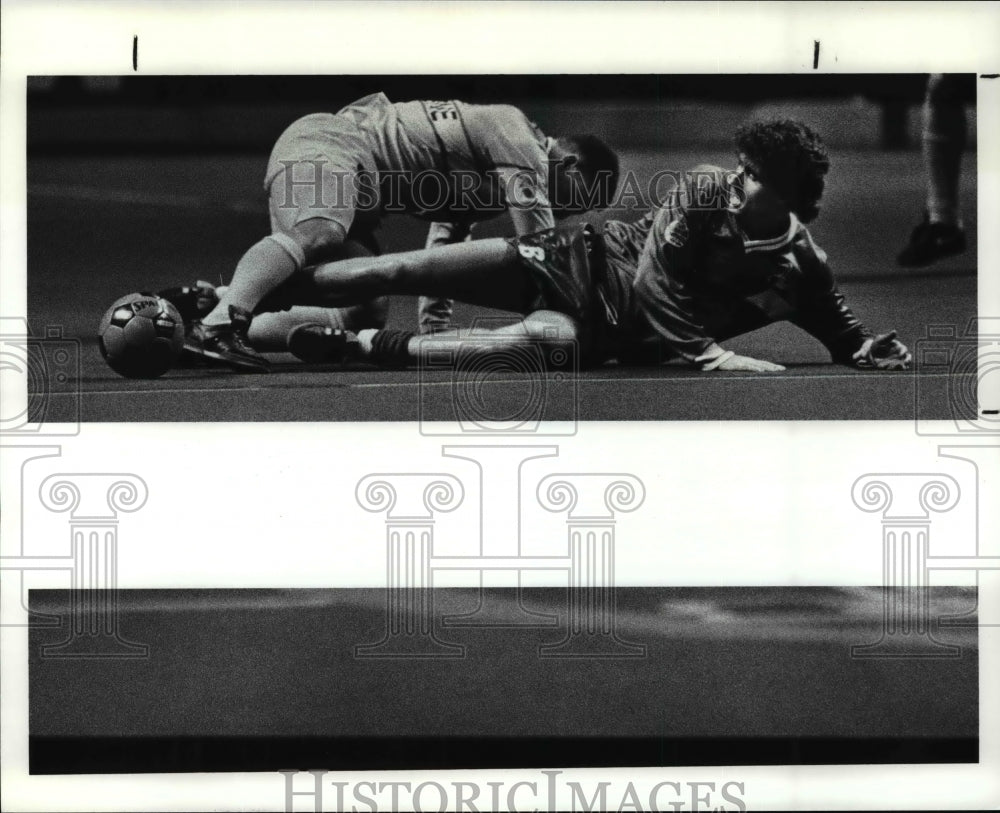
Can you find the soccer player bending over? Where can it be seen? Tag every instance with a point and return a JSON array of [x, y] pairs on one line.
[[331, 176], [728, 253]]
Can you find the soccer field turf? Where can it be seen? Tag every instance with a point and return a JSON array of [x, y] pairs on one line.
[[102, 227], [268, 679]]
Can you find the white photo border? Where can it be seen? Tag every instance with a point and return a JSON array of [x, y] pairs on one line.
[[51, 38]]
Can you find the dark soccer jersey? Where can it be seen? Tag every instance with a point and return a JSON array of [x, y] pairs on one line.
[[685, 277]]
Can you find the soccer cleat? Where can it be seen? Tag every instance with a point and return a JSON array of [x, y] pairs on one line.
[[193, 302], [930, 242], [226, 343], [314, 343]]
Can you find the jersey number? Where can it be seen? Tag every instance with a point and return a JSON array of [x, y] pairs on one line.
[[440, 111], [532, 253]]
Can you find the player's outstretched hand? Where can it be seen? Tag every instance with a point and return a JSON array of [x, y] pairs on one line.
[[730, 362], [883, 352]]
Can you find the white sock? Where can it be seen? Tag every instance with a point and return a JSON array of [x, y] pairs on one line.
[[216, 317], [365, 338]]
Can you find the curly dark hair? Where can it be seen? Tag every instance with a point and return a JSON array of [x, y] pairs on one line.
[[790, 158]]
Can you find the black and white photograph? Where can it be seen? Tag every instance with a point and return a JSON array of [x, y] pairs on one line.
[[247, 680], [499, 406], [646, 247]]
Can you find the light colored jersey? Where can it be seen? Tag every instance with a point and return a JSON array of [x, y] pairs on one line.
[[495, 147]]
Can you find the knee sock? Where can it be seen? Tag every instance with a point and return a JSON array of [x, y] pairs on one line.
[[269, 331], [262, 269], [388, 347]]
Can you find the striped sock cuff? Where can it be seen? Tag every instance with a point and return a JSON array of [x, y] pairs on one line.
[[391, 348]]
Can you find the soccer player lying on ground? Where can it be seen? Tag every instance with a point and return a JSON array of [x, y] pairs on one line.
[[331, 176], [728, 253]]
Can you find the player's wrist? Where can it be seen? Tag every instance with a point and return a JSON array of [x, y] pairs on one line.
[[712, 357], [717, 362]]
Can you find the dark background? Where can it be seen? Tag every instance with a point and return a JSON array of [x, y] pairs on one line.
[[199, 112], [142, 183]]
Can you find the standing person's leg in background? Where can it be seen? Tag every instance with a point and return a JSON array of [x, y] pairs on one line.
[[941, 233]]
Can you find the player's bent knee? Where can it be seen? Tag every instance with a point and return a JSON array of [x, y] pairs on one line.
[[551, 326], [554, 331], [556, 337], [319, 239]]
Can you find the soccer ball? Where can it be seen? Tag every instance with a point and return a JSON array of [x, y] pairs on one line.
[[141, 336]]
